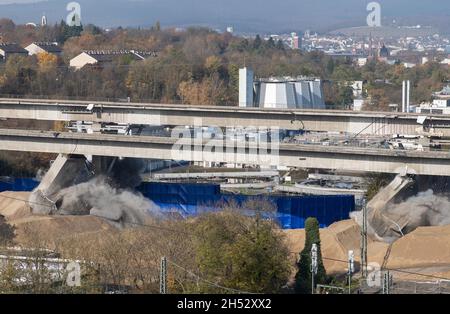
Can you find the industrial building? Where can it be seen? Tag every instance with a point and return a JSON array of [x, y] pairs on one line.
[[440, 104], [280, 92]]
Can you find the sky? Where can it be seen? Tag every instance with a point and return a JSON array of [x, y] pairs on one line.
[[18, 1], [243, 15]]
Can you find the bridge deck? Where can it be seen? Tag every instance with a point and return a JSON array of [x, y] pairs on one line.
[[379, 123], [291, 155]]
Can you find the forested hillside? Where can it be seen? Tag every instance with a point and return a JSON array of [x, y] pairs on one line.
[[197, 66]]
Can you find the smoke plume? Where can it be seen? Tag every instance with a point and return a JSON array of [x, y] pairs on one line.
[[109, 194], [99, 198], [423, 210]]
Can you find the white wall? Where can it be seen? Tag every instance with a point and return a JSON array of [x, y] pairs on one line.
[[81, 60], [246, 87]]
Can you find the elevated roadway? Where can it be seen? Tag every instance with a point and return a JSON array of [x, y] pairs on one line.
[[291, 155], [374, 123]]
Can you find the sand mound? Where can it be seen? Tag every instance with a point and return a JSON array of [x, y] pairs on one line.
[[337, 240], [29, 227], [332, 248], [425, 251], [347, 233], [53, 229], [425, 247], [13, 205]]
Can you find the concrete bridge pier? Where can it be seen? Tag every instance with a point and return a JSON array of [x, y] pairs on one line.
[[383, 225], [103, 164], [65, 171]]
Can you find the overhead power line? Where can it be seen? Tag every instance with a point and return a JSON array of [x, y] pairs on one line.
[[131, 223], [197, 236], [25, 201], [393, 269], [208, 281]]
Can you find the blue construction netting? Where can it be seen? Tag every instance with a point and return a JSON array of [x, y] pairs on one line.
[[191, 199], [292, 211], [18, 185]]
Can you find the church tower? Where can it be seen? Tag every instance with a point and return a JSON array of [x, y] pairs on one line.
[[43, 20]]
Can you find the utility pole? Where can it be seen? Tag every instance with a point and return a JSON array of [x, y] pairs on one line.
[[163, 277], [351, 269], [364, 260], [387, 282], [314, 265]]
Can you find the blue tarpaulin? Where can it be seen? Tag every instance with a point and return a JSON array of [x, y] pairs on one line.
[[292, 211], [191, 199], [18, 185]]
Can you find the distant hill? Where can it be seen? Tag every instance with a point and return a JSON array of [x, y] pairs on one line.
[[245, 15], [386, 31]]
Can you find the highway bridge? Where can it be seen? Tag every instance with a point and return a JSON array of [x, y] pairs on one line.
[[292, 155], [374, 123]]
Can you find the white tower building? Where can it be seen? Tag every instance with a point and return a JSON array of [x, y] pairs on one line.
[[246, 79]]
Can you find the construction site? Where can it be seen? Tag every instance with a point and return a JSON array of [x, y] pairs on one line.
[[135, 185], [397, 235], [387, 225]]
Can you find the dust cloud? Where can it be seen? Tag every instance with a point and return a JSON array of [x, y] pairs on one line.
[[422, 210], [99, 198]]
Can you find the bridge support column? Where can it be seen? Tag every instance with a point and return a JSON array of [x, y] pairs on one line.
[[103, 164], [64, 172], [388, 225]]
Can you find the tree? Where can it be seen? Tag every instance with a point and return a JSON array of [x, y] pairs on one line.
[[303, 277], [6, 232], [330, 66], [233, 72], [18, 75], [239, 252], [258, 260], [6, 25], [93, 29], [210, 91], [345, 97], [47, 61], [257, 43], [65, 31], [280, 45], [158, 78], [213, 64]]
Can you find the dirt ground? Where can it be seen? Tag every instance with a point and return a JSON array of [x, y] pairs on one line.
[[48, 228], [426, 250], [336, 241]]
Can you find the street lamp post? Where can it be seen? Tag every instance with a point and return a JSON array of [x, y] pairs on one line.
[[314, 265], [351, 269]]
